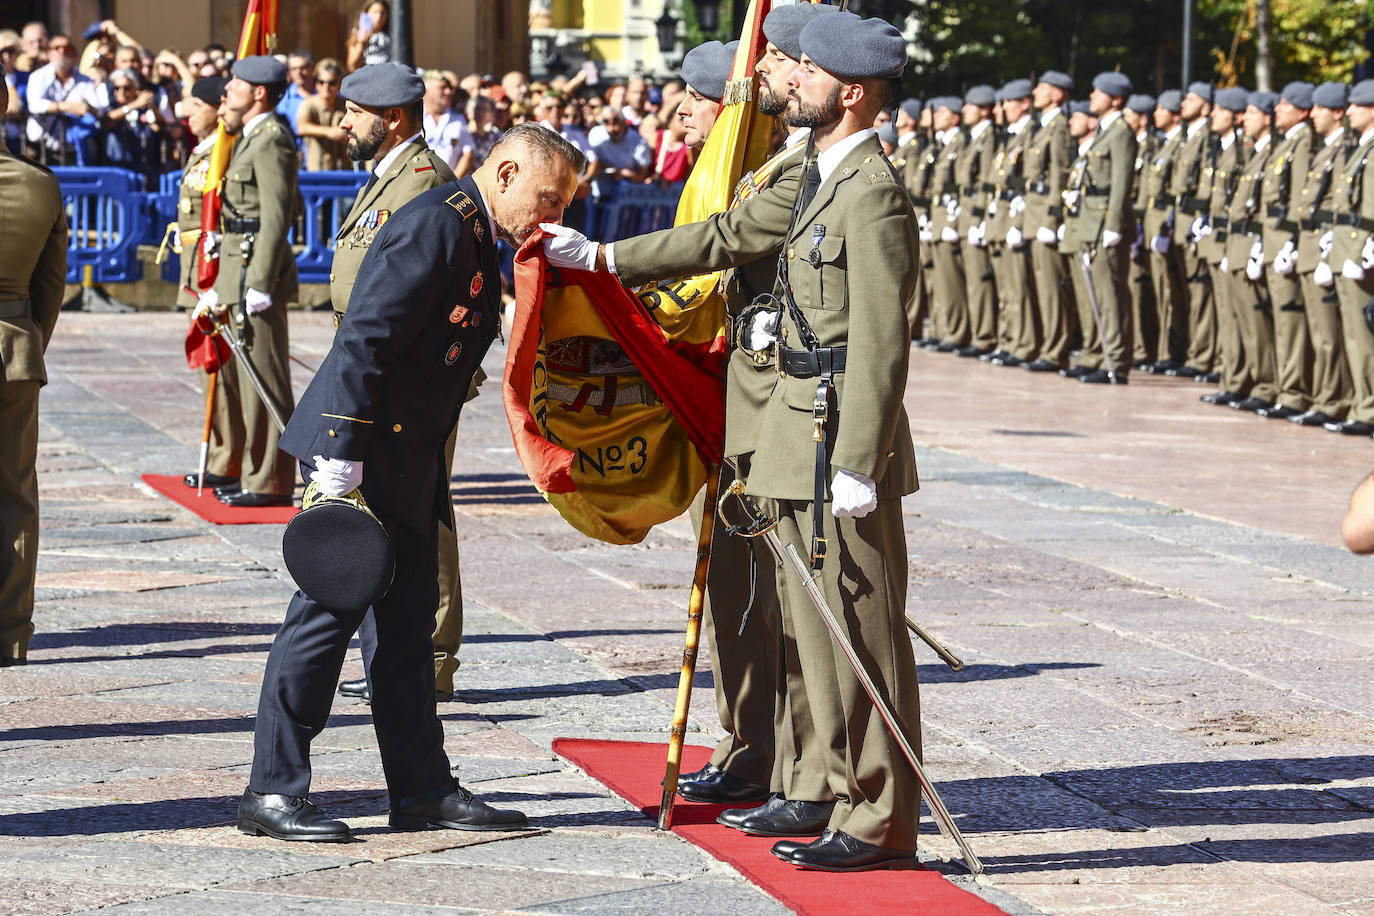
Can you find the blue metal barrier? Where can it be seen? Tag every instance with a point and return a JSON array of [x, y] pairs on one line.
[[108, 218], [632, 210], [328, 196]]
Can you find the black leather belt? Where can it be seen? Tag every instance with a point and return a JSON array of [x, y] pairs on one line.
[[241, 226], [950, 188], [1096, 192], [1307, 225], [1038, 187], [14, 308], [1246, 227], [1353, 219], [1055, 211], [1219, 223], [1162, 202], [1280, 216], [1194, 205], [920, 202], [977, 212], [811, 363], [1017, 183]]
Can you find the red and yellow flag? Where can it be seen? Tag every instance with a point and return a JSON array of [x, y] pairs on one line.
[[616, 398]]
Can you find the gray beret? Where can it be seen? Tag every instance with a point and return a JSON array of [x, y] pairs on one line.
[[888, 134], [260, 70], [706, 68], [382, 86], [1114, 84], [1298, 94], [1263, 100], [848, 45], [1233, 99], [1016, 89], [1331, 95], [1362, 93], [1079, 106], [209, 90], [952, 102], [1058, 80], [1141, 103], [1202, 90], [912, 107], [783, 24], [1170, 100], [981, 95]]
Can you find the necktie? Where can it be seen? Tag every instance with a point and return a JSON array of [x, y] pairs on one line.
[[813, 182], [368, 187]]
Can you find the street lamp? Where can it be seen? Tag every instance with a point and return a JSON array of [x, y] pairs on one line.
[[667, 32], [708, 15]]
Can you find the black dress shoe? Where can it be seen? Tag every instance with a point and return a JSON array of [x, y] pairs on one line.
[[1252, 404], [356, 688], [1208, 378], [838, 851], [451, 805], [790, 818], [1075, 372], [994, 354], [1312, 418], [288, 817], [242, 499], [1164, 366], [970, 351], [1103, 377], [783, 849], [1184, 372], [1139, 364], [228, 488], [1220, 398], [1041, 364], [1010, 361], [1277, 412], [732, 817], [211, 480], [715, 786], [946, 347], [1350, 428]]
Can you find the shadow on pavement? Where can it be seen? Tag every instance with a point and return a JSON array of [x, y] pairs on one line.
[[941, 674], [137, 634]]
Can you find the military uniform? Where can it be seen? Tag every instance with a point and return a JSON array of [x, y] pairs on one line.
[[1217, 188], [1352, 227], [33, 271], [1017, 335], [1139, 280], [973, 170], [949, 317], [1256, 382], [913, 166], [1167, 269], [1200, 332], [1044, 167], [260, 197], [1279, 192]]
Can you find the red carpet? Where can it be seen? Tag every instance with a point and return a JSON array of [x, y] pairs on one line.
[[211, 509], [634, 771]]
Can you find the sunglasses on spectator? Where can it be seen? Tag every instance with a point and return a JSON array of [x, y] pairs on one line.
[[326, 82]]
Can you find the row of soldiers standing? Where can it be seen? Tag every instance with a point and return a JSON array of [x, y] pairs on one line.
[[1220, 235]]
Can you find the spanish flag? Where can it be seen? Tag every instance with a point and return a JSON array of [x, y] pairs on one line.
[[616, 397]]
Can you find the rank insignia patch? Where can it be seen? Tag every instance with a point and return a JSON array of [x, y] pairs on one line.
[[476, 286], [453, 353], [458, 314]]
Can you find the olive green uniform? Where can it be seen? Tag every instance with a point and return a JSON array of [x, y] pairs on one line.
[[1103, 181], [1217, 187], [972, 171], [948, 315], [854, 293], [1353, 226], [1044, 168], [911, 166], [1144, 322], [1330, 382], [1279, 192], [33, 270], [1166, 268], [1017, 333], [260, 188], [226, 420], [1251, 297], [1185, 189]]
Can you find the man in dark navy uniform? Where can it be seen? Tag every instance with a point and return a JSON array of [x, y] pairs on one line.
[[422, 315]]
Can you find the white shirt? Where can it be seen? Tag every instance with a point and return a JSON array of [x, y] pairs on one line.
[[977, 130], [1172, 132], [828, 161], [1367, 136], [1227, 139], [1196, 126], [1293, 131], [448, 136], [1106, 120], [905, 138], [796, 136], [390, 158], [1019, 126], [1048, 115], [205, 145], [255, 121], [1335, 135], [45, 90], [1262, 142]]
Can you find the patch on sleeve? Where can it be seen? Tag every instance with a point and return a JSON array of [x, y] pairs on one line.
[[463, 204]]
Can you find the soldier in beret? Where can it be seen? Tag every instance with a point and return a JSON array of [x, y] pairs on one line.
[[705, 70], [33, 272], [259, 200], [1139, 114], [973, 170], [1167, 269], [1218, 186], [1195, 154], [949, 317], [373, 424], [1352, 252], [1044, 167], [1016, 328]]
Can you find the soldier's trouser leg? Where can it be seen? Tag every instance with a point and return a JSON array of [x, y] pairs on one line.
[[1090, 351], [1331, 383], [1230, 350], [1113, 299], [864, 581], [1054, 302], [918, 309], [948, 305], [1025, 344], [1171, 304], [745, 666], [1290, 340], [1202, 314], [1359, 344], [1257, 335], [226, 421], [303, 667], [18, 515], [981, 296], [1007, 329], [1144, 322], [448, 620], [266, 469]]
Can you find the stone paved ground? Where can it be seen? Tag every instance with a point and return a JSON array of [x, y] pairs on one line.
[[1167, 704]]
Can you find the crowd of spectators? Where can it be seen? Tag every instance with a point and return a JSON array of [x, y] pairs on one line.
[[108, 100]]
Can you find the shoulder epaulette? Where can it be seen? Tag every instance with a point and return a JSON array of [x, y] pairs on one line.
[[463, 204]]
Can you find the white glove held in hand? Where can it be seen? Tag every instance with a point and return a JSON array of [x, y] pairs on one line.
[[336, 476], [925, 235], [1199, 230], [207, 303], [1367, 255], [255, 300], [1017, 206], [1014, 238], [568, 248], [1159, 243], [977, 235], [1322, 275], [1324, 243], [1224, 265], [852, 495], [1059, 233], [949, 234], [1285, 260], [1111, 239], [1352, 271], [209, 243], [761, 336], [1254, 268], [1046, 236]]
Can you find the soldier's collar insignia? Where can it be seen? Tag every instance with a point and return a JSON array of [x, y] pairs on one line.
[[463, 204]]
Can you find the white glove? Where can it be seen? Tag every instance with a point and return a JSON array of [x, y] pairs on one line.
[[255, 300], [1285, 260], [1046, 236], [209, 243], [1224, 265], [853, 495], [1199, 230], [978, 235], [1352, 271], [1071, 198], [949, 234], [992, 208], [1324, 243], [336, 476], [925, 235], [1017, 206], [1322, 275], [207, 303], [1111, 239], [1367, 255], [1014, 238], [952, 209], [566, 247], [1059, 233], [1159, 243], [1254, 269], [761, 336]]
